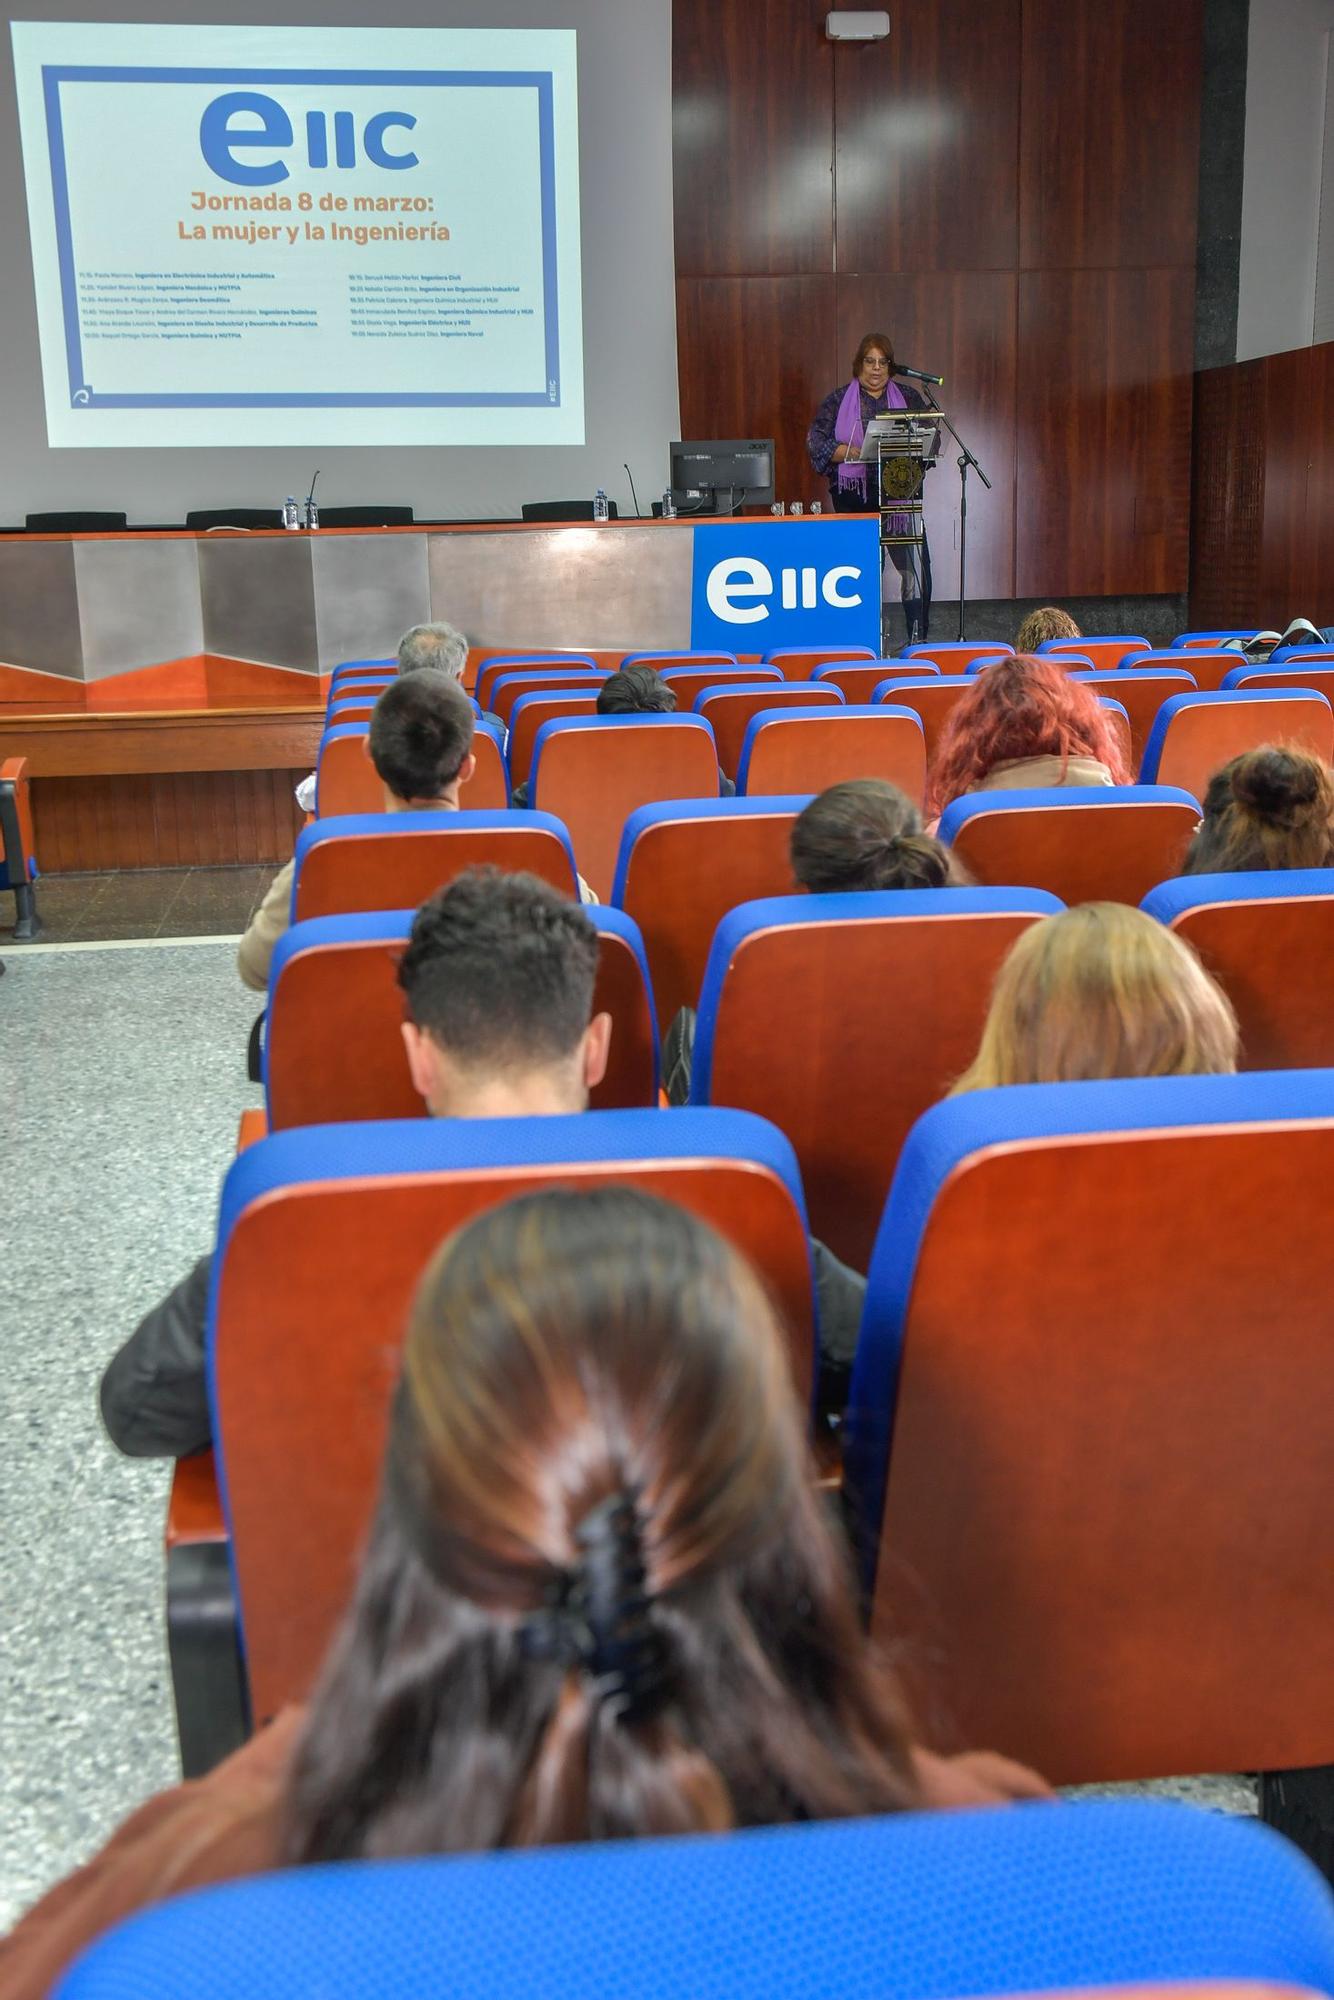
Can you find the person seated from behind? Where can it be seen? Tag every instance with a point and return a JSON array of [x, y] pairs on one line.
[[601, 1600], [420, 742], [1025, 724], [1102, 991], [497, 983], [1268, 808], [1048, 622], [867, 834], [433, 648], [635, 691]]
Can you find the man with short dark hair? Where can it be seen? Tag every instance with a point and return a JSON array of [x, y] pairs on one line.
[[497, 981], [420, 742], [636, 691]]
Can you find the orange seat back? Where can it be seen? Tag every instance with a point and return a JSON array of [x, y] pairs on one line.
[[728, 713], [490, 669], [1103, 653], [798, 663], [955, 658], [528, 719], [1290, 675], [859, 679], [398, 864], [349, 783], [507, 689], [1273, 955], [1141, 695], [1207, 732], [592, 773], [688, 683], [1083, 848], [932, 701], [807, 753]]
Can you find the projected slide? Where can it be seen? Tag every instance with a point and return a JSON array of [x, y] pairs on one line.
[[257, 236]]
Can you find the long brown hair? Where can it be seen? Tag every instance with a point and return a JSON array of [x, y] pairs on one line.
[[1024, 706], [600, 1599], [1269, 808], [1101, 991], [864, 833]]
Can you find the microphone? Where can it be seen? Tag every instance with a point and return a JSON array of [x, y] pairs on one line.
[[919, 375], [639, 515], [310, 502]]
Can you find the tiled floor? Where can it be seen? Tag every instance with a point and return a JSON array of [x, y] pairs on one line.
[[144, 903]]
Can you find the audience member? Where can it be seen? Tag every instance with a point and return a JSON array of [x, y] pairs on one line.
[[420, 743], [1048, 622], [497, 986], [867, 834], [435, 646], [634, 691], [601, 1599], [1268, 808], [1102, 991], [1025, 723]]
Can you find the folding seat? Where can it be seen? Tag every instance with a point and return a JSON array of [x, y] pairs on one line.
[[1070, 661], [506, 689], [1087, 1429], [1121, 724], [359, 687], [1268, 940], [688, 683], [859, 679], [1085, 844], [1194, 735], [363, 669], [728, 709], [529, 714], [1211, 639], [665, 662], [1119, 650], [491, 668], [1108, 1898], [805, 749], [1297, 673], [955, 656], [322, 1236], [1208, 669], [798, 662], [333, 1051], [394, 861], [684, 865], [347, 782], [1284, 656], [842, 1018], [18, 858], [932, 700], [1141, 691], [592, 771]]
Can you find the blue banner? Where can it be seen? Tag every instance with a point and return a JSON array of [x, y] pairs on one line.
[[760, 584]]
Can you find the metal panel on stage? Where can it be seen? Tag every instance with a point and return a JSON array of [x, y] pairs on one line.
[[566, 588]]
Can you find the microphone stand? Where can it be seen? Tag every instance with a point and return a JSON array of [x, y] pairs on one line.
[[966, 459]]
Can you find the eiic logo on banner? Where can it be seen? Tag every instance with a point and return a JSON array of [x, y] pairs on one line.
[[760, 584]]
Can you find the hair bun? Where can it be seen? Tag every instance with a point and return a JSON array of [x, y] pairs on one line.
[[1273, 783]]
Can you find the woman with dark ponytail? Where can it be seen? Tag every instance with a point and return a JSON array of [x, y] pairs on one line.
[[1268, 808], [602, 1597], [866, 834]]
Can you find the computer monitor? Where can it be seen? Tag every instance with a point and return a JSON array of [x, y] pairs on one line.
[[719, 475]]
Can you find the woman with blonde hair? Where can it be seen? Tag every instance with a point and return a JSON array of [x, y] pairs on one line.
[[1102, 991], [602, 1598]]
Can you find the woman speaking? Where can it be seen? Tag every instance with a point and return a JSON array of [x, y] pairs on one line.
[[835, 439]]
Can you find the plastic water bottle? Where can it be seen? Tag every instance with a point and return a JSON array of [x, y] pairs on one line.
[[291, 517], [601, 505], [668, 505], [312, 514]]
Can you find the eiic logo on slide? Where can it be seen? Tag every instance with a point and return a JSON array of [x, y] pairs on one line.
[[760, 584]]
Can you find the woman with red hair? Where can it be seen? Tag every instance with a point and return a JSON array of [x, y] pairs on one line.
[[1026, 723]]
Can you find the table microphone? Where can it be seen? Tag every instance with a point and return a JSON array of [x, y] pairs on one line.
[[919, 375], [639, 512]]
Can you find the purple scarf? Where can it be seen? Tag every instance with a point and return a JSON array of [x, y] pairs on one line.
[[850, 430]]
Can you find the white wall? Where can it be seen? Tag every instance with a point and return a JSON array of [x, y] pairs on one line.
[[1287, 67]]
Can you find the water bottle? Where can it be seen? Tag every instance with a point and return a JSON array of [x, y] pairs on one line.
[[668, 505], [601, 506], [291, 518], [312, 514]]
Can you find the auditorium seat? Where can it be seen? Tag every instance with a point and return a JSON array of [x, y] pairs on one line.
[[687, 683], [798, 662], [530, 712], [1194, 735], [1268, 939], [842, 1018], [506, 688], [1141, 691], [1085, 844], [1104, 1900], [1212, 638], [662, 662], [1306, 674], [1121, 725], [302, 1371], [347, 781], [593, 770], [18, 854], [1087, 1428], [954, 656], [1207, 669], [564, 510], [495, 664], [859, 679], [1120, 650], [791, 748], [932, 700], [333, 1050], [728, 708], [1284, 656], [394, 861], [385, 668], [684, 865]]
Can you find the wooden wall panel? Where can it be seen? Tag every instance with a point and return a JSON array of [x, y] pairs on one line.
[[1103, 482], [1109, 147], [961, 326], [926, 160], [752, 137], [165, 819], [756, 356], [1227, 495]]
